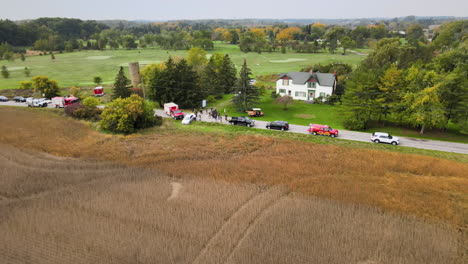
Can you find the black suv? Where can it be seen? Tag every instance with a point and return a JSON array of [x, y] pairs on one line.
[[19, 99], [281, 125], [242, 121]]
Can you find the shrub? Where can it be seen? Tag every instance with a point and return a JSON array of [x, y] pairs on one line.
[[274, 95], [75, 91], [26, 85], [354, 123], [333, 99], [125, 115], [91, 101], [70, 109], [89, 113], [81, 111]]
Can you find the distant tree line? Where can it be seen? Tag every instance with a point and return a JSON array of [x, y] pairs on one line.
[[64, 34]]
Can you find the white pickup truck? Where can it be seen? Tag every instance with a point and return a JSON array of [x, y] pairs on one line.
[[31, 102]]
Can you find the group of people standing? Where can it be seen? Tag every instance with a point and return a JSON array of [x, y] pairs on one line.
[[212, 113]]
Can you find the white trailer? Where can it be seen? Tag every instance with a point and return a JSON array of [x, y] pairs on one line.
[[58, 102]]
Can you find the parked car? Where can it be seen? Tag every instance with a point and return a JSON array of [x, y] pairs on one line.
[[188, 119], [242, 121], [19, 99], [381, 137], [281, 125], [254, 112], [3, 99], [323, 130]]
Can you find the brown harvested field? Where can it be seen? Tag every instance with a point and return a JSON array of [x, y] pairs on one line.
[[344, 180], [60, 210]]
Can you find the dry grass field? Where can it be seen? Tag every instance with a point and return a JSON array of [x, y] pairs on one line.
[[199, 198], [59, 210]]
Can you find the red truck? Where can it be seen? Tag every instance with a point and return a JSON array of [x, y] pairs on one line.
[[324, 130], [173, 111], [98, 91], [60, 102]]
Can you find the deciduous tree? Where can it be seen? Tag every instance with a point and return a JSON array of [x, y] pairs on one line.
[[47, 87], [285, 100]]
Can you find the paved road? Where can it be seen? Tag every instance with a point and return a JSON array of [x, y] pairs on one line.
[[344, 134], [362, 136]]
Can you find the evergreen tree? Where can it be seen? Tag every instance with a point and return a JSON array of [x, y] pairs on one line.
[[160, 85], [227, 74], [210, 80], [27, 71], [185, 86], [5, 72], [121, 88], [246, 95]]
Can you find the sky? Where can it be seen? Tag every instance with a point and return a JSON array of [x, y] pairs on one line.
[[228, 9]]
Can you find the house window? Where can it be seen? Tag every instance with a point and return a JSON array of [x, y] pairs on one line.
[[311, 85], [323, 94], [300, 94], [282, 91], [285, 82]]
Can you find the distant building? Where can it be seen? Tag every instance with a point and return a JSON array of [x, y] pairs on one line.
[[306, 85]]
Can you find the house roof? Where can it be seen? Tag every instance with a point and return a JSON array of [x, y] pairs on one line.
[[324, 79]]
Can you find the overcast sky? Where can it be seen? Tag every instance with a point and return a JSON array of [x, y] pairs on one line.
[[206, 9]]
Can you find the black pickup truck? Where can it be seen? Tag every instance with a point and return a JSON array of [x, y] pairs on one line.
[[242, 121]]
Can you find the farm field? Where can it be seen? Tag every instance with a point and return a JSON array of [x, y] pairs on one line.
[[67, 210], [418, 199], [79, 67]]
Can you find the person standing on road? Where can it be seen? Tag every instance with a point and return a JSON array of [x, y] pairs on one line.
[[225, 117]]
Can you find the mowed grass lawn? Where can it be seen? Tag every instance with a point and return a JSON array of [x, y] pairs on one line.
[[298, 113], [79, 67]]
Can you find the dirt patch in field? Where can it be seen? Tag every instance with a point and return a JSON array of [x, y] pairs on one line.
[[33, 52], [304, 116], [176, 187]]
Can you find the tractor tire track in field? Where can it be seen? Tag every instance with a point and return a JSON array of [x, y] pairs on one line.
[[222, 244]]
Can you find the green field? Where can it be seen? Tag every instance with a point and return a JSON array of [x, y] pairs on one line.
[[79, 68]]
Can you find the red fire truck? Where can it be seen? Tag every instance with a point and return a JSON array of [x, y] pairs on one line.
[[172, 110], [323, 130]]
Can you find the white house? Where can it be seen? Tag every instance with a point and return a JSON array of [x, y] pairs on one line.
[[306, 85]]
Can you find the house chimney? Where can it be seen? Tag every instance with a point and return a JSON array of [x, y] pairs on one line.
[[334, 72]]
